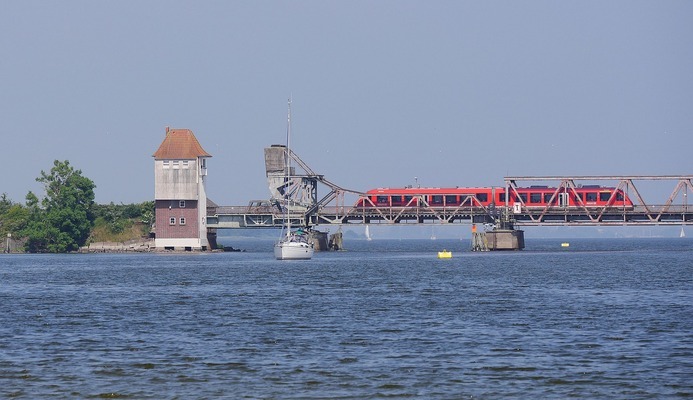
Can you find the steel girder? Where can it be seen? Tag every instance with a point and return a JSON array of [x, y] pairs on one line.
[[641, 213]]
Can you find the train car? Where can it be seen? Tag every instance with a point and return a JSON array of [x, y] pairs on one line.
[[583, 196], [432, 197], [531, 197]]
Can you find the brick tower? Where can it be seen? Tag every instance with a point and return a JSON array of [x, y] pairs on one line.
[[180, 175]]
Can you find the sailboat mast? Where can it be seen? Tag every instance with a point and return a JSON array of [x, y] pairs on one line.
[[288, 167], [288, 137]]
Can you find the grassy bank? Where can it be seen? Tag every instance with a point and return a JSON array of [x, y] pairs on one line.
[[129, 229]]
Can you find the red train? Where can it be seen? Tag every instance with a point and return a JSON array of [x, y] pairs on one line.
[[531, 197]]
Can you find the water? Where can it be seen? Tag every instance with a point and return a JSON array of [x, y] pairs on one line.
[[600, 319]]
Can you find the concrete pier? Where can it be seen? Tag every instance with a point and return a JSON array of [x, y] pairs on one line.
[[505, 239], [319, 240], [336, 241]]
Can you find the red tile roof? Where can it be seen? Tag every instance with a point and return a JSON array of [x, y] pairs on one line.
[[180, 144]]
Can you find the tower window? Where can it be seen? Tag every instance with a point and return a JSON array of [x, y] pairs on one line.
[[172, 221], [182, 220], [181, 204], [167, 164]]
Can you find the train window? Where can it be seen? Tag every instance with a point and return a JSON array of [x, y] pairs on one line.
[[382, 200], [437, 199], [501, 197], [482, 197], [619, 196], [407, 199], [580, 196], [591, 196], [547, 197], [604, 196], [396, 199], [523, 196], [450, 199], [535, 197]]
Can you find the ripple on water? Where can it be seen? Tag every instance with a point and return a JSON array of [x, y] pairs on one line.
[[359, 324]]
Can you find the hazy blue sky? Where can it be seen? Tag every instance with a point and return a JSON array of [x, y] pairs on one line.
[[451, 92]]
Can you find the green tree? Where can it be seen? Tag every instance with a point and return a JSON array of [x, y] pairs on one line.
[[113, 215], [5, 204], [64, 220], [15, 220], [35, 230], [147, 212], [14, 217]]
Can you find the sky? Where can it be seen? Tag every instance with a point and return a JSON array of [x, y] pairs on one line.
[[384, 93]]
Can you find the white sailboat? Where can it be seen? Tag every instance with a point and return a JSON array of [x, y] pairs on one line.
[[683, 233], [292, 245], [368, 233]]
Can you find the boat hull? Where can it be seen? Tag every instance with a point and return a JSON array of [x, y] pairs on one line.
[[293, 251]]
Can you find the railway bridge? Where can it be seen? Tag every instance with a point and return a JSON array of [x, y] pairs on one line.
[[295, 192], [300, 197]]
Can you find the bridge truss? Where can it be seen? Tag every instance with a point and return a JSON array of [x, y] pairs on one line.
[[675, 210], [294, 192]]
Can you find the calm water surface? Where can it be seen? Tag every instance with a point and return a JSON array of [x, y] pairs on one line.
[[600, 319]]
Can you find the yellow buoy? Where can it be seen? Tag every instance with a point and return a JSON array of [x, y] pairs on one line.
[[444, 254], [565, 244]]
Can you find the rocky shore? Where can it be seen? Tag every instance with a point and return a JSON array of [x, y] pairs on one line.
[[137, 246]]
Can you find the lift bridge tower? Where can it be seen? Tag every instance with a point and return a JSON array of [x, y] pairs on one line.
[[288, 189], [294, 191]]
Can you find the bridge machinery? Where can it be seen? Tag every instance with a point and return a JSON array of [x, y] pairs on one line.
[[291, 189], [297, 190]]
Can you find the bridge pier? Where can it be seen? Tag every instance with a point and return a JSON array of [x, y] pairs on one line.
[[319, 240], [505, 239], [336, 241], [323, 241], [502, 237], [212, 238], [479, 241]]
